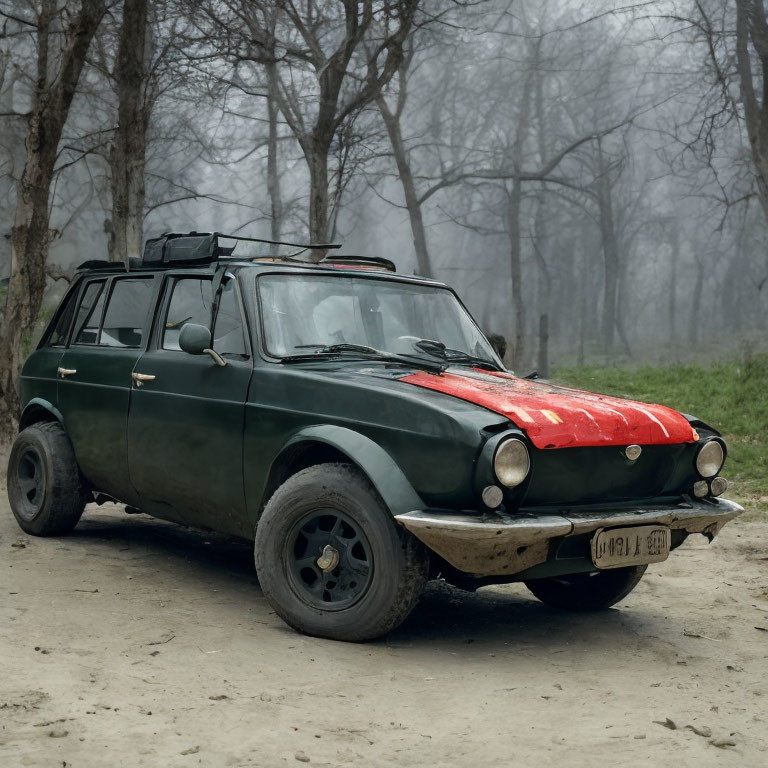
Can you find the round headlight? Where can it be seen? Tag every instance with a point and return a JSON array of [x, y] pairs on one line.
[[511, 462], [710, 458]]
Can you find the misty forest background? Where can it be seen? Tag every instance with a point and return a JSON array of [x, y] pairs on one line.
[[592, 177]]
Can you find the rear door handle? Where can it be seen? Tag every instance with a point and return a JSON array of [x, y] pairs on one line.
[[65, 372], [140, 378]]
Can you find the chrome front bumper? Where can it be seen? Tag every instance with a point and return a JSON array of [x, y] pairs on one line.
[[499, 544]]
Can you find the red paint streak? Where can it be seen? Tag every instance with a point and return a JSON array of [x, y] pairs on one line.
[[559, 417]]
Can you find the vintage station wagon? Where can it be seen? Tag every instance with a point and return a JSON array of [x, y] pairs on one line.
[[356, 424]]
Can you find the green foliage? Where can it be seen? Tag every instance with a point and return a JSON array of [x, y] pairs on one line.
[[731, 397]]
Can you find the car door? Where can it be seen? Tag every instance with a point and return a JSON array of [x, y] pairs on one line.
[[40, 377], [110, 329], [185, 426]]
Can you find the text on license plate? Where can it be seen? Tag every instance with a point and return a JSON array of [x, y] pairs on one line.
[[620, 547]]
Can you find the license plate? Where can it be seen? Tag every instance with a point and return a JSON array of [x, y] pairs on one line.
[[619, 547]]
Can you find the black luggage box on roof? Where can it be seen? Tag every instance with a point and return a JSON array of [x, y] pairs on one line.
[[173, 249]]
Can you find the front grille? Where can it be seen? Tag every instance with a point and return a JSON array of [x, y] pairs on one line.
[[604, 474]]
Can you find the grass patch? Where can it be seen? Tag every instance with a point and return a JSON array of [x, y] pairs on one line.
[[731, 397]]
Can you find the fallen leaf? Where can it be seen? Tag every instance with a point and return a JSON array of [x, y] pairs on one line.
[[703, 731], [190, 751], [301, 757], [762, 629], [220, 697], [667, 723]]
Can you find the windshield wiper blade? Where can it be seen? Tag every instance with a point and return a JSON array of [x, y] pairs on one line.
[[360, 352], [326, 348], [455, 356]]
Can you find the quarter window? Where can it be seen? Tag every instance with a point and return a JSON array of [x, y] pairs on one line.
[[89, 314], [127, 311], [60, 332]]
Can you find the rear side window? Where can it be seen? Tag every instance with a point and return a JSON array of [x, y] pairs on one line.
[[60, 332], [127, 311], [89, 313]]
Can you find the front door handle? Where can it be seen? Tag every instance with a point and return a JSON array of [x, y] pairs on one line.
[[65, 372], [140, 378]]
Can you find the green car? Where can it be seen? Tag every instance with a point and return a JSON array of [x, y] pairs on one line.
[[356, 424]]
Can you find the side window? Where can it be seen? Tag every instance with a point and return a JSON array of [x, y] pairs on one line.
[[228, 332], [190, 303], [58, 337], [89, 314], [127, 310]]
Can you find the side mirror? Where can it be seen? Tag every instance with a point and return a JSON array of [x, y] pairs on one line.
[[194, 339], [197, 340]]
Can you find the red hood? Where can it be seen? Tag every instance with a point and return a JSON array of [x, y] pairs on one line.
[[558, 417]]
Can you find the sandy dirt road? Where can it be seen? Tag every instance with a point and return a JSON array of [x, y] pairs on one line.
[[138, 643]]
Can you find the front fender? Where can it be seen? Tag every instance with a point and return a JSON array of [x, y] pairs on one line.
[[38, 409], [388, 479]]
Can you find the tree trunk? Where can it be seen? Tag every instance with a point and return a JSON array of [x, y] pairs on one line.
[[693, 322], [273, 174], [516, 271], [412, 204], [128, 154], [29, 238], [317, 159], [610, 252], [672, 297], [513, 220], [751, 25]]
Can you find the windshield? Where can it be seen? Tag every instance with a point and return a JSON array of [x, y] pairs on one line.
[[302, 314]]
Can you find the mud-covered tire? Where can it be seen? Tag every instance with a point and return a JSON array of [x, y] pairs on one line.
[[593, 591], [380, 568], [45, 487]]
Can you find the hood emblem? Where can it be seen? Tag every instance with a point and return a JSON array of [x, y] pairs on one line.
[[632, 452]]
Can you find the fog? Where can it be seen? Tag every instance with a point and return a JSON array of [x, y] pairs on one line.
[[584, 167]]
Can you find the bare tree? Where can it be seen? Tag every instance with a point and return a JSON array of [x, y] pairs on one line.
[[325, 63], [128, 153], [63, 36]]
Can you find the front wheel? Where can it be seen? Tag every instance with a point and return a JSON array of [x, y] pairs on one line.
[[331, 560], [587, 591], [44, 483]]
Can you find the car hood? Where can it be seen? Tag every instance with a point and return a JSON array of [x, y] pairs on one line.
[[559, 417]]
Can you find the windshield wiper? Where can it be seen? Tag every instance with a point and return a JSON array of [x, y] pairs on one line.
[[463, 358], [324, 348], [362, 352], [455, 356]]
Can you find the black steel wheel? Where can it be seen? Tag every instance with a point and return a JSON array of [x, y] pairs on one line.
[[332, 561], [45, 489], [31, 480], [592, 591]]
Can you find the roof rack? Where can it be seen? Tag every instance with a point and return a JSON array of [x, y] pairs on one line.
[[359, 262], [101, 264], [176, 249]]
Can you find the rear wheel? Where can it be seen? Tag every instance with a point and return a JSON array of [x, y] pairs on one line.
[[587, 591], [45, 488], [331, 560]]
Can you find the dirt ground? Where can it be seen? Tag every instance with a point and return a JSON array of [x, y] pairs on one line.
[[139, 643]]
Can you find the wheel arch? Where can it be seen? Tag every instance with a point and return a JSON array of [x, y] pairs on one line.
[[37, 410], [328, 443]]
